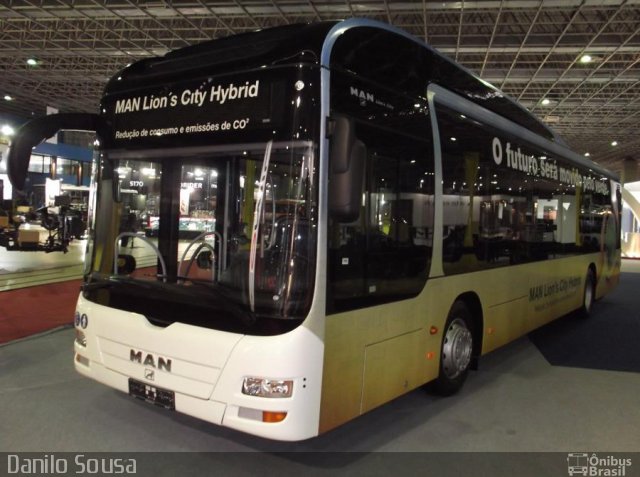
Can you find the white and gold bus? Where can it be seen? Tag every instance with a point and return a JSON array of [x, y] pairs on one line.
[[336, 215]]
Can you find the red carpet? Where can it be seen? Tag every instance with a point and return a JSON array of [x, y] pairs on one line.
[[27, 311]]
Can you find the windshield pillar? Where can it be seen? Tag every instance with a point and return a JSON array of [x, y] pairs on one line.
[[169, 218], [223, 200]]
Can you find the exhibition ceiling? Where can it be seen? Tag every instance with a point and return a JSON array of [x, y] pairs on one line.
[[574, 63]]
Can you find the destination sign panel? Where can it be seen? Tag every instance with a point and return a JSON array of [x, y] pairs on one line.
[[191, 112]]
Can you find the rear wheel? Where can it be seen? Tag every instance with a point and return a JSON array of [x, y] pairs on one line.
[[589, 293], [456, 350]]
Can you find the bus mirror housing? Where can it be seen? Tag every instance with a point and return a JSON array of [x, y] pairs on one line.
[[36, 131], [346, 171]]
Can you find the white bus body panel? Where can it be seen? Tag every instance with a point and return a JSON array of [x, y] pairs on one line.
[[207, 368]]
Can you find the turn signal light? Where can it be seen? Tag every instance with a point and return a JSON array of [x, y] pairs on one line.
[[82, 360], [273, 416]]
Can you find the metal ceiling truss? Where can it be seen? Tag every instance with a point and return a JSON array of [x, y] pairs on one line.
[[531, 49]]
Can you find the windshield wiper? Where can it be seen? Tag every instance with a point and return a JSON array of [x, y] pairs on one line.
[[257, 218]]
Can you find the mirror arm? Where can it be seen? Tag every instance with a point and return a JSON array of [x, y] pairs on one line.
[[36, 131]]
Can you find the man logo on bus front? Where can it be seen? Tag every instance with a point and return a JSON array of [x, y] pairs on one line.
[[149, 374], [147, 359]]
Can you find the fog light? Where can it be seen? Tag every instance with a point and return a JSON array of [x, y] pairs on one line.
[[81, 339], [270, 388]]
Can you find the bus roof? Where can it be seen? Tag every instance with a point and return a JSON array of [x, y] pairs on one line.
[[273, 46], [304, 43]]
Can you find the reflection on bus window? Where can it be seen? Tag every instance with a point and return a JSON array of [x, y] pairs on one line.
[[499, 209]]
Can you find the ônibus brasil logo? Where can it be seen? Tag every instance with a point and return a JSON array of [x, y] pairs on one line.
[[582, 463]]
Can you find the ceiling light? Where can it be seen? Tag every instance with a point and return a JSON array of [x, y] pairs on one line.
[[586, 154], [32, 62], [8, 97], [7, 130], [546, 102], [614, 143], [586, 59]]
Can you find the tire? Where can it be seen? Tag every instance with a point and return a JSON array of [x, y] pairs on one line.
[[588, 294], [456, 351]]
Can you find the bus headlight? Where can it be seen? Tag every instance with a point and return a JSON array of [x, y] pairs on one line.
[[270, 388]]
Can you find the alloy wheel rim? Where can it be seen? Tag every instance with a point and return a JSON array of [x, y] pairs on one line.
[[456, 350]]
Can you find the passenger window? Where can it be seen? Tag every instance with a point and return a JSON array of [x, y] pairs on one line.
[[506, 202]]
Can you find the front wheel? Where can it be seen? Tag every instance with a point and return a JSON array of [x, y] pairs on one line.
[[456, 350]]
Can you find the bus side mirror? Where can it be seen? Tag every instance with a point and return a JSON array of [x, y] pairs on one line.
[[346, 171], [37, 130]]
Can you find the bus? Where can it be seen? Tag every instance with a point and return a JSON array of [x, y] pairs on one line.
[[372, 218]]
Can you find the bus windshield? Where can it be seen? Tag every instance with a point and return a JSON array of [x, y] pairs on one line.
[[222, 237]]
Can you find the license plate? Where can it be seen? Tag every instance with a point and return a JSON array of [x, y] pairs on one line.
[[159, 397]]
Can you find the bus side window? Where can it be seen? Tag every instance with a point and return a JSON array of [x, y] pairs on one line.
[[385, 254], [506, 202]]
